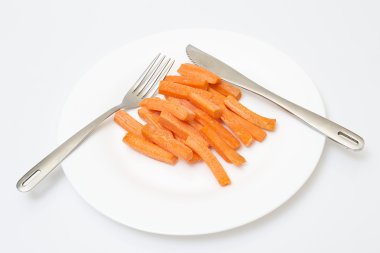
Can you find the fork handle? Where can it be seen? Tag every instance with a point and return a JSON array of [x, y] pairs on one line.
[[36, 174], [331, 129]]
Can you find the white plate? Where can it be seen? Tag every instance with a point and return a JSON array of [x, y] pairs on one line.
[[186, 200]]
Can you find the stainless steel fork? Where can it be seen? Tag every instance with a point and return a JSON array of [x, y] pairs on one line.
[[145, 86]]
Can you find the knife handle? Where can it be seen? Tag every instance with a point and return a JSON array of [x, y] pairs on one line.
[[331, 129]]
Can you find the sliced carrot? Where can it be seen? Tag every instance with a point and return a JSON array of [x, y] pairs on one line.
[[176, 136], [148, 148], [243, 134], [179, 90], [227, 153], [191, 70], [152, 118], [189, 81], [244, 112], [206, 105], [258, 133], [227, 89], [205, 119], [196, 125], [159, 137], [210, 160], [176, 100], [127, 122], [178, 111], [217, 97], [180, 128], [196, 158]]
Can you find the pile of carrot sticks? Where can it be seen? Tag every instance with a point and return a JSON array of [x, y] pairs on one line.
[[200, 112]]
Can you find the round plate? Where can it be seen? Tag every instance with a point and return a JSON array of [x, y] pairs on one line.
[[186, 199]]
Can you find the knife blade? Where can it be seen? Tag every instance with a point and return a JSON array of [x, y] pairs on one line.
[[325, 126], [221, 69]]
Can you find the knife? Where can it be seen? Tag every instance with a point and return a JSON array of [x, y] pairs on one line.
[[332, 130]]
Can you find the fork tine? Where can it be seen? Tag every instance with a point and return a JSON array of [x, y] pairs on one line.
[[161, 76], [143, 75], [148, 77], [154, 79]]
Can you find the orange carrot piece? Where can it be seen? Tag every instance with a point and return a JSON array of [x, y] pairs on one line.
[[218, 98], [216, 94], [179, 90], [227, 89], [149, 116], [196, 125], [176, 136], [206, 105], [205, 119], [159, 137], [127, 122], [196, 158], [180, 128], [244, 112], [211, 161], [152, 118], [243, 134], [258, 133], [177, 101], [191, 70], [189, 81], [178, 111], [227, 153], [147, 148]]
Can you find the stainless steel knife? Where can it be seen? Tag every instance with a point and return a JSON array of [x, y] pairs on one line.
[[332, 130]]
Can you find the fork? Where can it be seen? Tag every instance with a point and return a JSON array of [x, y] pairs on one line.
[[145, 85]]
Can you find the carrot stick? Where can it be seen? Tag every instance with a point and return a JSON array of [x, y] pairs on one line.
[[177, 101], [127, 122], [206, 105], [196, 125], [147, 148], [196, 157], [244, 112], [159, 137], [217, 97], [152, 118], [243, 134], [189, 81], [258, 133], [180, 128], [211, 161], [179, 90], [191, 70], [205, 119], [227, 153], [149, 116], [227, 89], [178, 111]]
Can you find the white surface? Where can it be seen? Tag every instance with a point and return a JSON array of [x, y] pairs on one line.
[[186, 200], [46, 46]]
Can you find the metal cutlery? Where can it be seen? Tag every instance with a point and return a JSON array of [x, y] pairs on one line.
[[332, 130], [144, 87]]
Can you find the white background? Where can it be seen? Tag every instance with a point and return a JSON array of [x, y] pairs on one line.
[[45, 47]]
